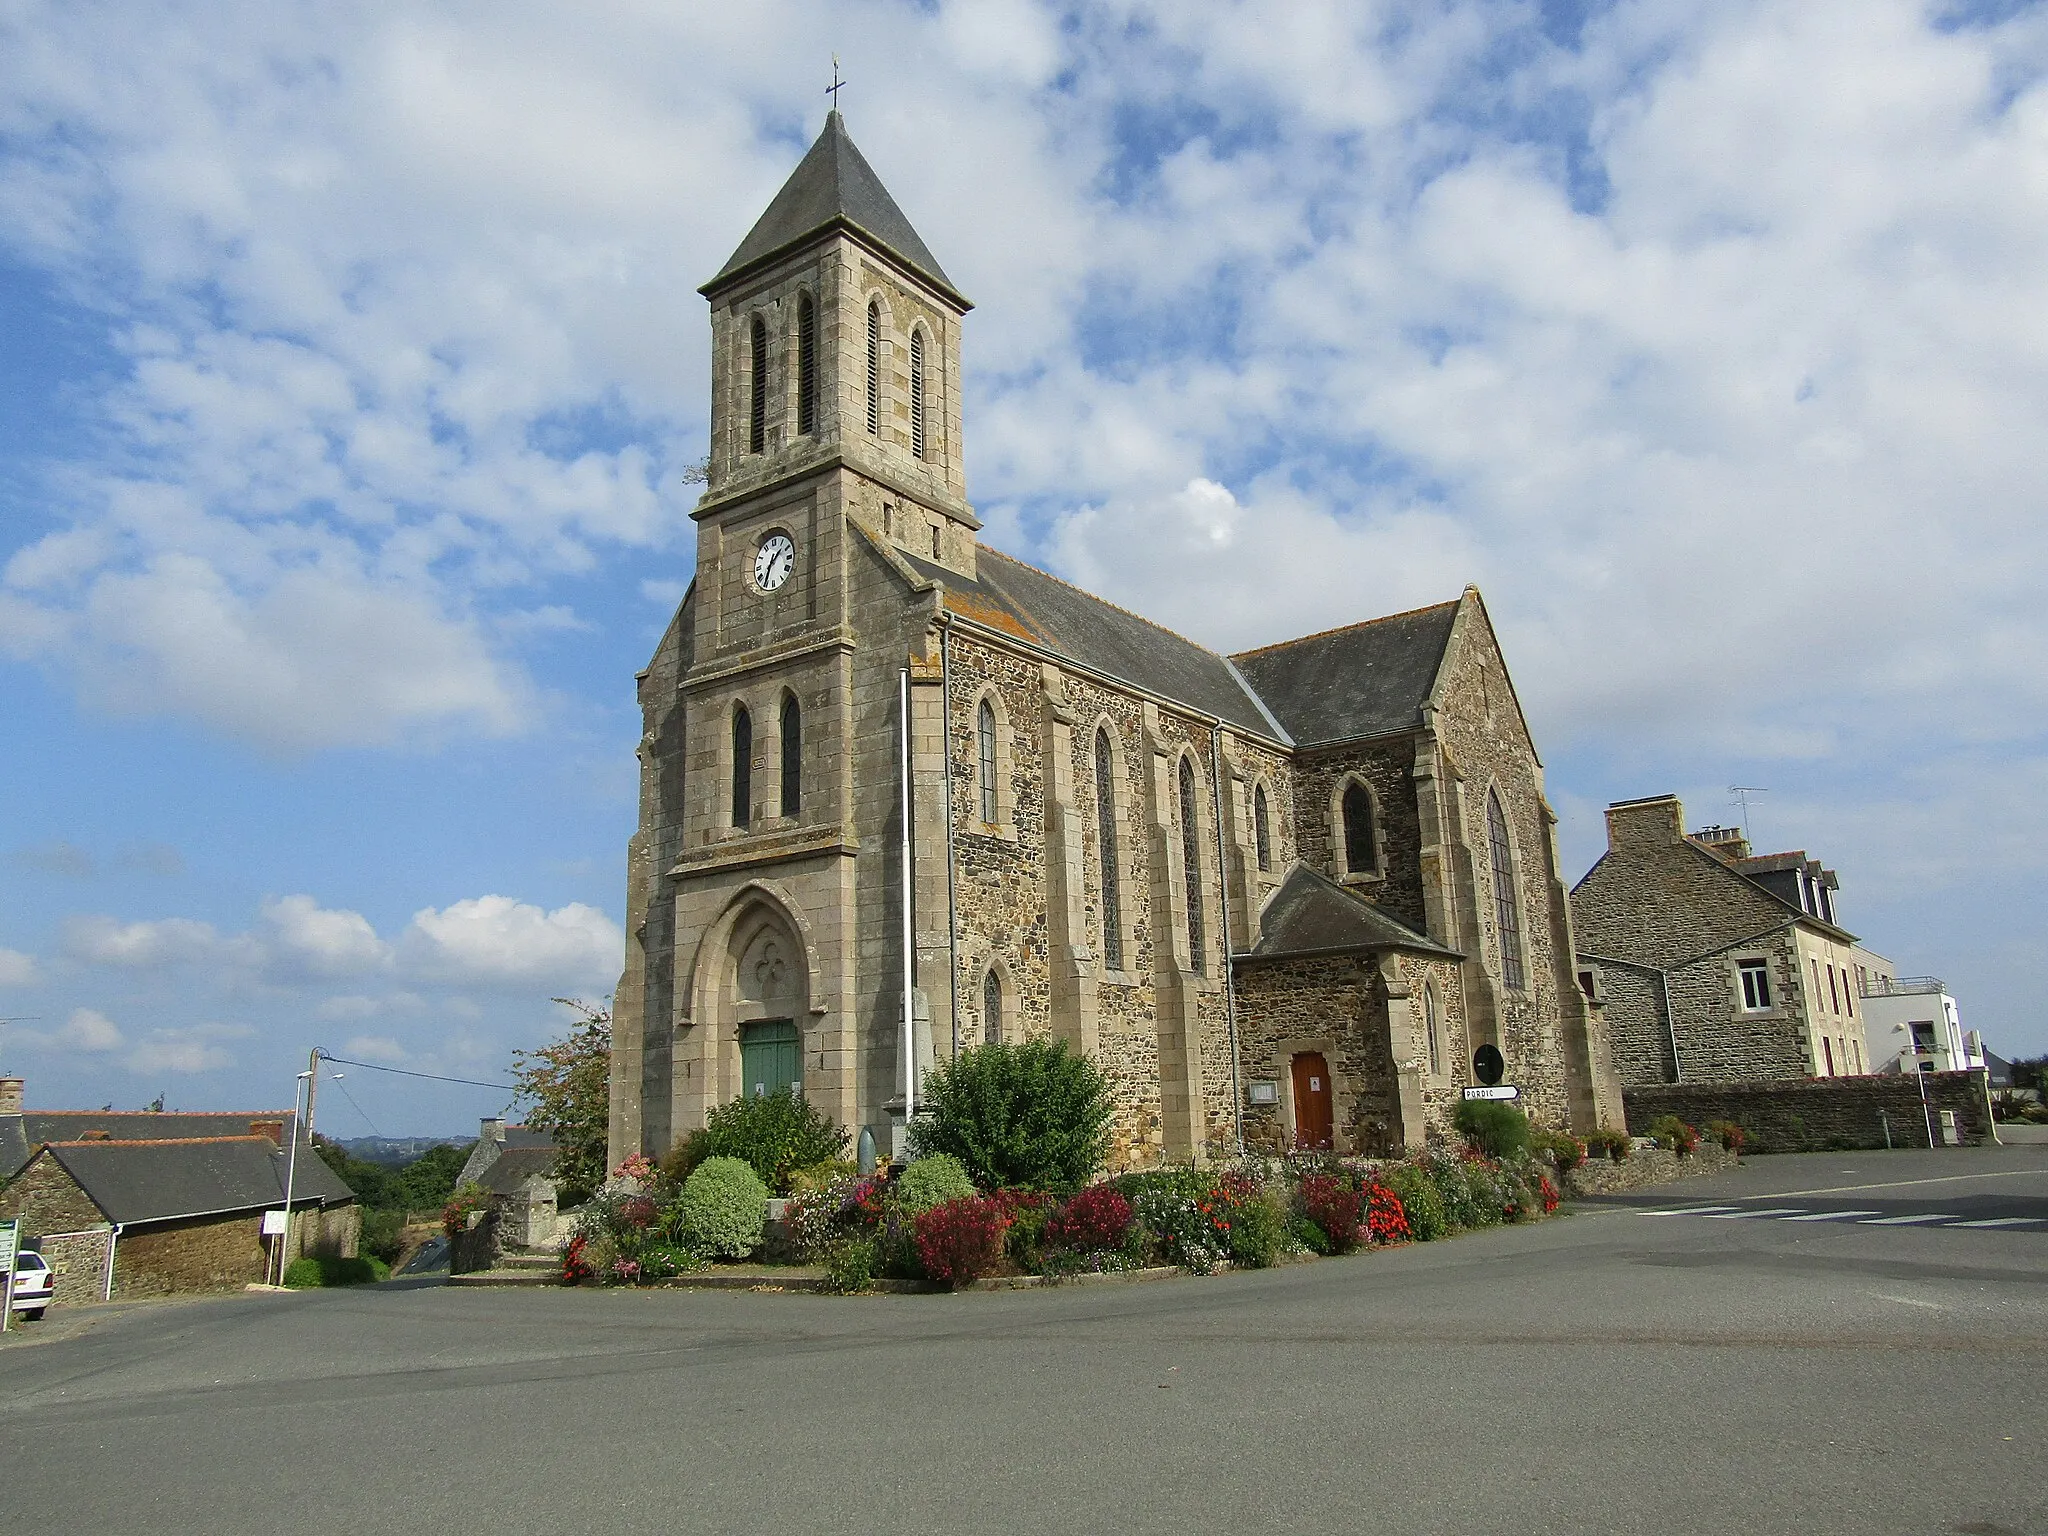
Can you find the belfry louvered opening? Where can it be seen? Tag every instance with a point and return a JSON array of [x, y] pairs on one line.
[[757, 386], [874, 366], [806, 365]]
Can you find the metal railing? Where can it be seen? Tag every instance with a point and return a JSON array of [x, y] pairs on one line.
[[1902, 986]]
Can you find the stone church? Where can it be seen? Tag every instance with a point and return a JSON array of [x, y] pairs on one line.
[[902, 793]]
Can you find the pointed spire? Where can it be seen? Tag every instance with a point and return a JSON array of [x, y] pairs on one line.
[[834, 186]]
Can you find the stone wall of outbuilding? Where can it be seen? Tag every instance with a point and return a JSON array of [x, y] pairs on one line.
[[1824, 1113]]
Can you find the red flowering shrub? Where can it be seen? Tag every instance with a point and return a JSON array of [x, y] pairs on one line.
[[959, 1241], [575, 1268], [1330, 1201], [1096, 1218], [1550, 1196], [638, 1211], [1386, 1221]]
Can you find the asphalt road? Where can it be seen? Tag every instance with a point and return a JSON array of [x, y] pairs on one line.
[[1616, 1370]]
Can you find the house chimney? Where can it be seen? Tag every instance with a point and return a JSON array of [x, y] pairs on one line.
[[1651, 821], [494, 1128], [274, 1129], [10, 1095]]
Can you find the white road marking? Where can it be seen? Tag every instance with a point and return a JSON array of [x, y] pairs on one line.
[[1907, 1221], [1953, 1178], [2002, 1221], [1783, 1210], [1689, 1210], [1831, 1215]]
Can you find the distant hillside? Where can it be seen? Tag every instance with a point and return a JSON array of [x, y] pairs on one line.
[[396, 1151]]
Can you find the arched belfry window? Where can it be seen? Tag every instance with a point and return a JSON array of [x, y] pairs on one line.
[[992, 1006], [917, 392], [742, 766], [1105, 825], [985, 742], [1191, 862], [874, 366], [757, 387], [1361, 856], [1506, 912], [806, 365], [792, 756], [1262, 830]]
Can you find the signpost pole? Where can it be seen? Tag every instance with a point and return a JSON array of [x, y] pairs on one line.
[[10, 1243]]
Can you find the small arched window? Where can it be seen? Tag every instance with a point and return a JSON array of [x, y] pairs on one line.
[[1105, 827], [1431, 1030], [806, 365], [742, 766], [757, 397], [792, 756], [985, 741], [1262, 832], [874, 366], [1506, 912], [992, 1006], [917, 392], [1191, 861], [1360, 856]]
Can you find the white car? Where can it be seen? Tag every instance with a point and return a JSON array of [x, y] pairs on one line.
[[34, 1280]]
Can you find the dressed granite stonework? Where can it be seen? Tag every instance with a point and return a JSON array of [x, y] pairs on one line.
[[1280, 897]]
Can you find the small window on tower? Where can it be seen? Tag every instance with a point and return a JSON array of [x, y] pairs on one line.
[[806, 365], [874, 366], [792, 756], [917, 393], [742, 766], [757, 404]]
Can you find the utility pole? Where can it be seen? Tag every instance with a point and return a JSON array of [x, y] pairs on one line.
[[311, 1078]]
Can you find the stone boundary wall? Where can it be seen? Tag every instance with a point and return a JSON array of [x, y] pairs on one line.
[[1600, 1175], [79, 1261], [1823, 1113]]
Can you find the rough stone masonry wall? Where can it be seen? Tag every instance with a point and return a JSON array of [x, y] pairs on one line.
[[78, 1260], [211, 1254], [1816, 1114], [1395, 881], [1335, 1005], [47, 1199]]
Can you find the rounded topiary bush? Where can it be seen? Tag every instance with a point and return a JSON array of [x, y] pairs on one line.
[[723, 1208], [930, 1182], [303, 1274], [1032, 1115], [1498, 1129], [776, 1134]]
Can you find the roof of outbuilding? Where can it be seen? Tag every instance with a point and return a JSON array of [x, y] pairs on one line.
[[1310, 914], [21, 1134], [833, 185], [516, 1165], [1369, 679], [135, 1182], [1018, 599]]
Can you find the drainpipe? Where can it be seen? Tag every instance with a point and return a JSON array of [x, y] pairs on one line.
[[952, 890], [909, 937], [1223, 902], [113, 1238]]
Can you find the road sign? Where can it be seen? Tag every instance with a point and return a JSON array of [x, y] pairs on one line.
[[274, 1224], [1494, 1091], [1488, 1065]]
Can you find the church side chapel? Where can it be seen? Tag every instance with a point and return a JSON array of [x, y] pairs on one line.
[[902, 794]]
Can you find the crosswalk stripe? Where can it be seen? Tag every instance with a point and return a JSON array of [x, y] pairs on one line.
[[1907, 1221], [2002, 1221], [1784, 1210], [1831, 1215], [1690, 1210]]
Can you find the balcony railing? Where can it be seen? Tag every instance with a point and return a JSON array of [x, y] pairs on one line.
[[1902, 986]]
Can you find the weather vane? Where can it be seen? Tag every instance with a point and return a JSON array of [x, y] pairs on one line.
[[837, 84]]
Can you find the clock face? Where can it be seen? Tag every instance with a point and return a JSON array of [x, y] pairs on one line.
[[773, 561]]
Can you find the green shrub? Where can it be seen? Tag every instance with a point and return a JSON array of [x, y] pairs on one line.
[[723, 1208], [931, 1181], [1309, 1235], [665, 1260], [1420, 1199], [850, 1265], [383, 1234], [315, 1271], [819, 1177], [1498, 1129], [1258, 1231], [775, 1135], [1728, 1133], [1032, 1115], [1674, 1133], [1566, 1148]]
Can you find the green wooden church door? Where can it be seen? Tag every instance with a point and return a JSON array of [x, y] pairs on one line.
[[770, 1059]]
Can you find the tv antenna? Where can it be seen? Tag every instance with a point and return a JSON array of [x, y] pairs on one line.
[[1741, 793]]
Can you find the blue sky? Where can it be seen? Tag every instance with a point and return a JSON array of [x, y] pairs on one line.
[[351, 366]]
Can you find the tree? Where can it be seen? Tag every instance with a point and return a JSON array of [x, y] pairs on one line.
[[567, 1087], [1031, 1115]]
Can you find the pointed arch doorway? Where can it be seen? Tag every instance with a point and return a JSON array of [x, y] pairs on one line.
[[770, 997]]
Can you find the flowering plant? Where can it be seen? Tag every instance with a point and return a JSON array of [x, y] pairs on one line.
[[575, 1268], [639, 1168], [1549, 1193], [1096, 1218], [1332, 1202], [961, 1240], [456, 1213], [1386, 1219]]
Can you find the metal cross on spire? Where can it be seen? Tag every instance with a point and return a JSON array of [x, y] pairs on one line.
[[837, 84]]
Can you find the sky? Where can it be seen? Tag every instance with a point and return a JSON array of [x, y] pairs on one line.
[[352, 370]]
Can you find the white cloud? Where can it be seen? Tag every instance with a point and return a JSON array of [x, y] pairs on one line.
[[326, 942], [148, 945], [495, 940], [376, 1048], [86, 1031], [18, 969], [187, 1051]]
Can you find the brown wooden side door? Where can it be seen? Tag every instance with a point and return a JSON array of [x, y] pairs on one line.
[[1312, 1119]]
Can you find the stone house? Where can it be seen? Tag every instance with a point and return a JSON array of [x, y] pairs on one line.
[[162, 1217], [1711, 964], [902, 793], [516, 1164]]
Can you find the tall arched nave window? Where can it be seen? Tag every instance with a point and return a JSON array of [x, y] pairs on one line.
[[1506, 913], [985, 743], [1105, 831], [1191, 860]]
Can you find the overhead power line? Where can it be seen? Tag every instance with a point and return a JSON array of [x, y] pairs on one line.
[[435, 1077]]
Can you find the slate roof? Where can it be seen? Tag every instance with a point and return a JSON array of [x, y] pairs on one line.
[[1368, 679], [135, 1182], [516, 1165], [21, 1134], [1312, 915], [1021, 600], [833, 186]]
